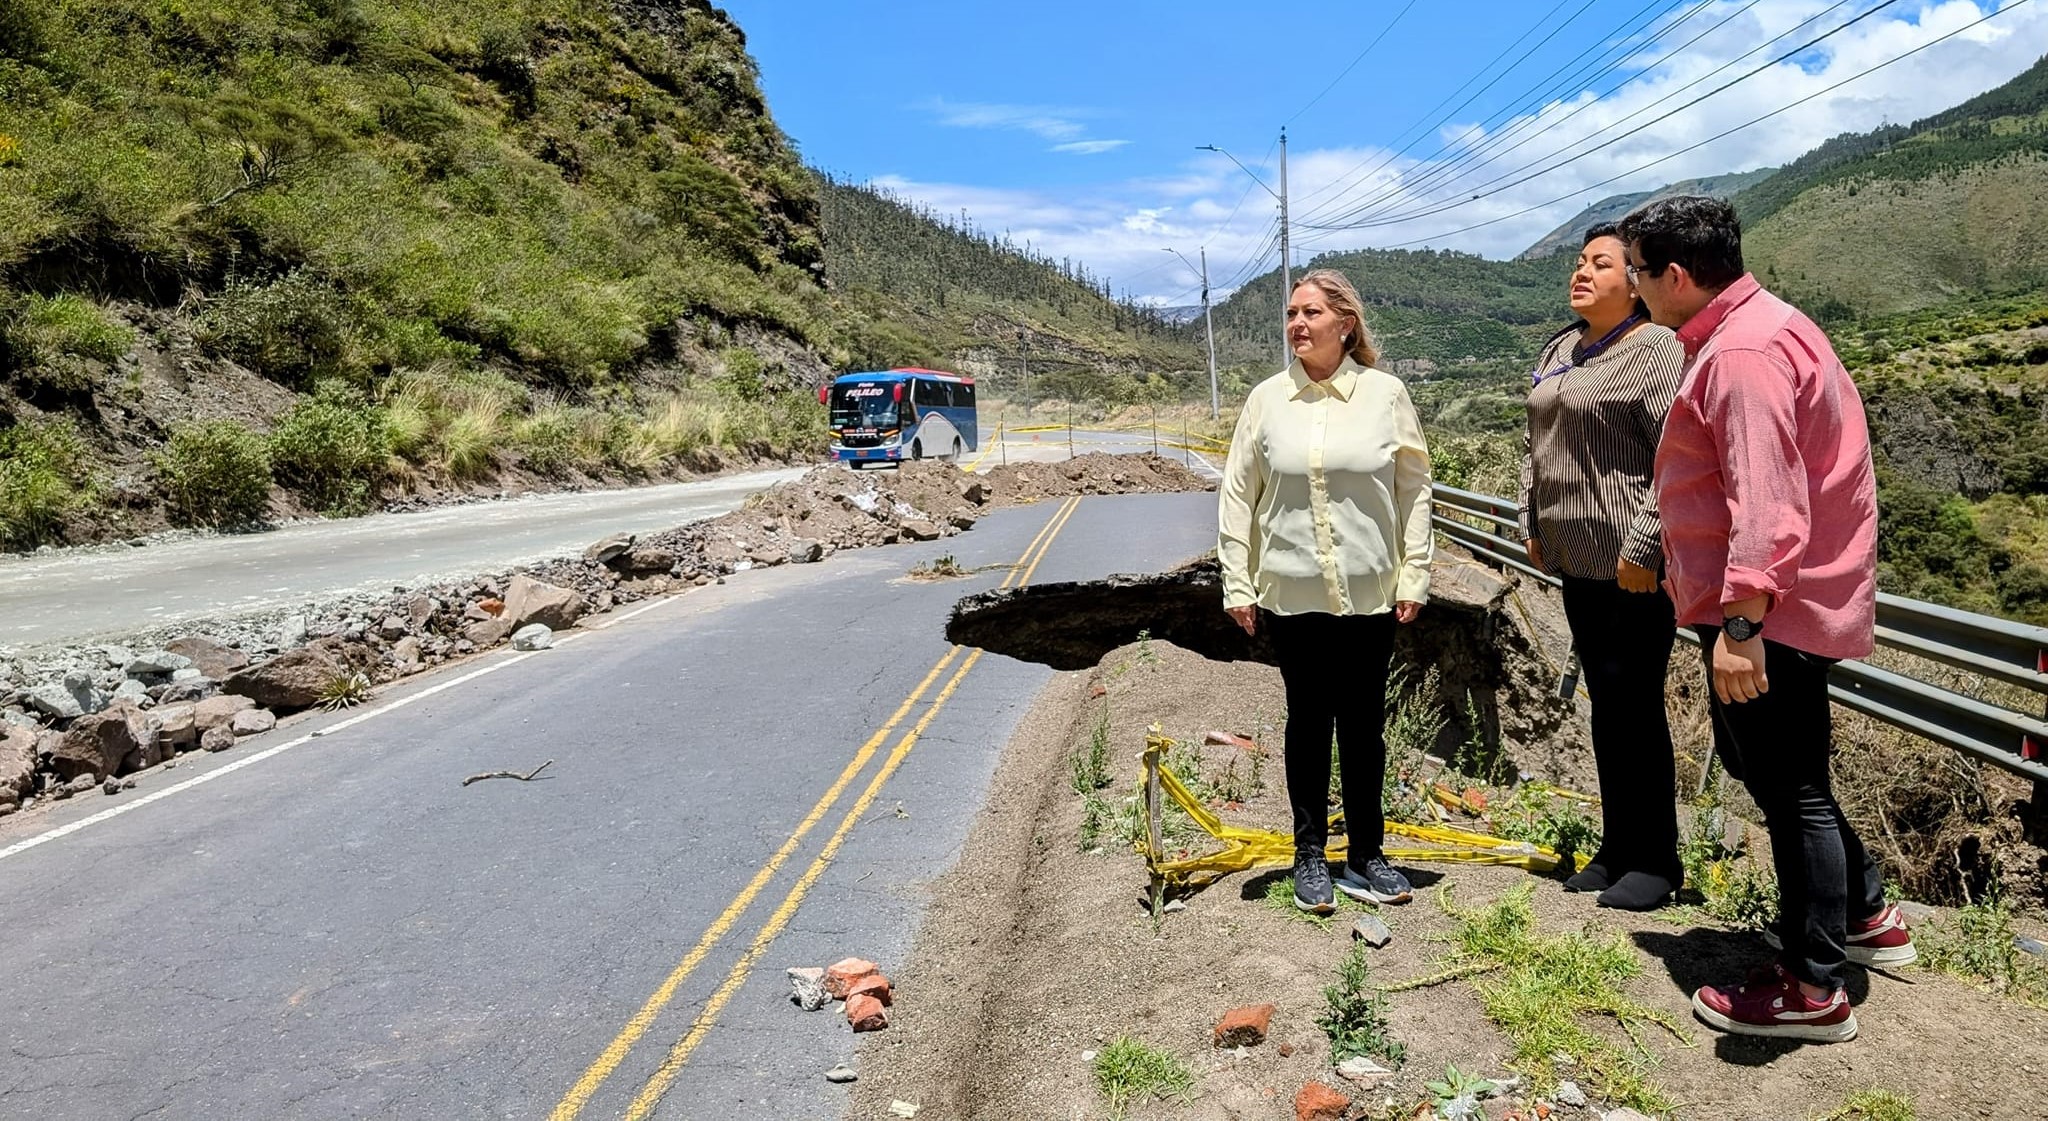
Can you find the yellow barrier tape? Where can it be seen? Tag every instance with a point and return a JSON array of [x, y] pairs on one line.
[[1244, 849]]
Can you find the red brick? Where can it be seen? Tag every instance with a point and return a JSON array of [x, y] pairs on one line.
[[1244, 1027], [492, 607], [865, 1013], [874, 985], [841, 975], [1318, 1102]]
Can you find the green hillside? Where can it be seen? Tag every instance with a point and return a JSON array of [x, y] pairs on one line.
[[1612, 208], [1909, 217]]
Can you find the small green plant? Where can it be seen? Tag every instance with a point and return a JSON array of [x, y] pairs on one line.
[[1978, 946], [44, 476], [1146, 655], [346, 690], [1129, 1071], [1476, 758], [1096, 815], [1089, 766], [291, 329], [1231, 785], [1734, 890], [46, 329], [1355, 1013], [1535, 813], [1871, 1105], [214, 474], [1458, 1094], [940, 568]]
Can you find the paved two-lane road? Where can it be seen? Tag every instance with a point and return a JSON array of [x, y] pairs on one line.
[[343, 930]]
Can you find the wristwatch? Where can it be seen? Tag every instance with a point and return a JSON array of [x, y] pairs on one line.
[[1741, 629]]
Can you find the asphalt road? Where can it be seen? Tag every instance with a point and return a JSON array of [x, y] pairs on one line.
[[336, 927], [83, 593]]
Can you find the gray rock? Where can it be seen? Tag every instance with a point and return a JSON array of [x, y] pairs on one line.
[[1371, 931], [533, 636], [291, 632], [405, 654], [807, 987], [420, 609], [152, 663], [645, 558], [218, 738], [1362, 1069], [609, 549], [55, 701], [17, 762], [1568, 1093], [211, 657], [78, 785], [116, 656], [251, 722], [842, 1074], [133, 692], [393, 628], [189, 673], [14, 717], [806, 552], [189, 690], [111, 786], [488, 632], [917, 529], [176, 726], [1914, 912]]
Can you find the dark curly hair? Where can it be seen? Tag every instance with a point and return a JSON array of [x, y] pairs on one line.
[[1698, 233]]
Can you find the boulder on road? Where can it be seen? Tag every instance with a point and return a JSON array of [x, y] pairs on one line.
[[533, 636], [212, 658], [177, 726], [218, 738], [213, 712], [106, 744], [488, 632], [252, 721], [609, 549], [529, 601], [17, 763], [644, 559], [917, 529], [294, 679]]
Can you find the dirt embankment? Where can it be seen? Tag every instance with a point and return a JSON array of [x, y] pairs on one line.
[[1038, 950]]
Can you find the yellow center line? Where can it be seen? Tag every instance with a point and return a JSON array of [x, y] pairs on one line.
[[665, 1075], [615, 1053]]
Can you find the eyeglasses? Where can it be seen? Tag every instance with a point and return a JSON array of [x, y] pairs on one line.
[[1635, 273]]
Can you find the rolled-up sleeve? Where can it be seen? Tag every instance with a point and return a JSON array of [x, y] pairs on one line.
[[1750, 404], [1412, 500], [1244, 478]]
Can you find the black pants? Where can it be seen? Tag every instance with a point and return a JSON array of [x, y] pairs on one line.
[[1778, 746], [1624, 643], [1335, 670]]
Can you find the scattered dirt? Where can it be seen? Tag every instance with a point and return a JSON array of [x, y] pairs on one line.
[[1034, 952]]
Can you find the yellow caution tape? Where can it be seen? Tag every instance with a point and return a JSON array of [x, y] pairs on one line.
[[1244, 849]]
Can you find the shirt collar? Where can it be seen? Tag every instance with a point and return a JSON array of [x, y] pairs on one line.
[[1702, 326], [1339, 385]]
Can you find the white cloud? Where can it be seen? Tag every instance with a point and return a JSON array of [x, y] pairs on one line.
[[1040, 120], [1089, 147], [1118, 228]]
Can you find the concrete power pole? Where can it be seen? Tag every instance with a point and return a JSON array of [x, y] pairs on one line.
[[1286, 261], [1208, 327]]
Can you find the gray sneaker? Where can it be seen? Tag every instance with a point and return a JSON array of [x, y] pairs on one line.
[[1312, 882], [1376, 882]]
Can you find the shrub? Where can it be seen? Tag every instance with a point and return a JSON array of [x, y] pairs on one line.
[[43, 471], [331, 448], [1355, 1016], [547, 439], [46, 328], [290, 330], [216, 473]]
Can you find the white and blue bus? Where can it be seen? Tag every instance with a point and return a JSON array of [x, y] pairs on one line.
[[888, 416]]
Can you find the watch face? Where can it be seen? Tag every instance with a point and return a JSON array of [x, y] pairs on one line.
[[1741, 629]]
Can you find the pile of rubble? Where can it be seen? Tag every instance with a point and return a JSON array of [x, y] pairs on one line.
[[80, 716]]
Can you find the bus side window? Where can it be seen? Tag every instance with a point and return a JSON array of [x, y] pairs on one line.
[[966, 392]]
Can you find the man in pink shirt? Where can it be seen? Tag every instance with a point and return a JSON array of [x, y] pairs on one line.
[[1769, 503]]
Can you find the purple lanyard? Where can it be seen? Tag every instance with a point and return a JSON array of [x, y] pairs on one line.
[[1537, 377]]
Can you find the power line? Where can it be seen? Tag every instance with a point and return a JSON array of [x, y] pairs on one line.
[[1347, 66], [1376, 209], [1719, 135], [1385, 220]]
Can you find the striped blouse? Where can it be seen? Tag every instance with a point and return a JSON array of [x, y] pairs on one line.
[[1589, 448]]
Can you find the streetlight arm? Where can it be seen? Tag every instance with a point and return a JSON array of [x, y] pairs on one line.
[[1240, 167]]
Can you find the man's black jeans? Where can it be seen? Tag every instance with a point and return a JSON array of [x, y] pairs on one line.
[[1778, 746], [1624, 643], [1335, 670]]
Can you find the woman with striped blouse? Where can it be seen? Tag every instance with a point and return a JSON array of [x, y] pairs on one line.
[[1596, 409]]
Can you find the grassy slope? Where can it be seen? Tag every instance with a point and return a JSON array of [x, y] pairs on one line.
[[1612, 208]]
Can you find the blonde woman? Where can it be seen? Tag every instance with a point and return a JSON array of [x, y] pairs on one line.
[[1325, 542]]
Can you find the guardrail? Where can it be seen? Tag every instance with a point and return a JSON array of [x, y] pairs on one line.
[[1998, 649]]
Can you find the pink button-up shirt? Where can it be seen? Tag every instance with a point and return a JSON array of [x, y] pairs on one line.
[[1763, 476]]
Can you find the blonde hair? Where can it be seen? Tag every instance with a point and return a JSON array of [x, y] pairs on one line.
[[1343, 298]]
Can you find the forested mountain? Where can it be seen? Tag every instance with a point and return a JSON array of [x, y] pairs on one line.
[[1612, 208]]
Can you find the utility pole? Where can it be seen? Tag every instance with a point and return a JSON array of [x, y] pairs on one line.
[[1024, 358], [1280, 196], [1208, 328]]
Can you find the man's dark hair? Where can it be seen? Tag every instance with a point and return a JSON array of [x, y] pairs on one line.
[[1699, 233]]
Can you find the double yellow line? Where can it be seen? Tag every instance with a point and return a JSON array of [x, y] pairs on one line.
[[572, 1104]]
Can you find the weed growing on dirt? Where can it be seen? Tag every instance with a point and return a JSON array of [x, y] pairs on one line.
[[1355, 1012], [1736, 891], [45, 474], [1977, 946], [1146, 655], [1130, 1071], [939, 568], [1537, 989], [1457, 1093], [1089, 766], [1871, 1105], [1095, 814], [1231, 785], [1415, 717], [1537, 813], [1475, 757]]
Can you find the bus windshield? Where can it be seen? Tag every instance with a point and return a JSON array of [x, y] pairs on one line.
[[864, 405]]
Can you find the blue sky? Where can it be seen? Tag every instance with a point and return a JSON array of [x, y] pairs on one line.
[[1075, 125]]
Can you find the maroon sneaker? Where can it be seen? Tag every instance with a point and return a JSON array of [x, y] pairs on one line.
[[1881, 940], [1770, 1004]]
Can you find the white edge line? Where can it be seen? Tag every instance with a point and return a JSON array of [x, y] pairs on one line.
[[66, 830]]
